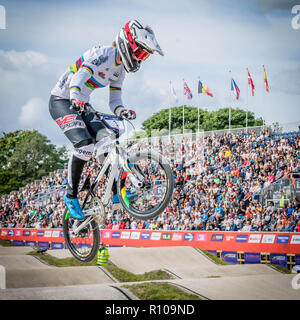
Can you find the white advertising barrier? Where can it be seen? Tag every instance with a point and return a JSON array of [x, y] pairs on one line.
[[268, 238], [295, 239], [254, 238]]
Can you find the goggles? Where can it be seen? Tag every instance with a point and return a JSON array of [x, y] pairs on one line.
[[139, 53]]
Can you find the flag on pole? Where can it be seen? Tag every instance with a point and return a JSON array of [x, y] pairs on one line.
[[235, 89], [266, 80], [174, 94], [203, 89], [187, 91], [250, 81]]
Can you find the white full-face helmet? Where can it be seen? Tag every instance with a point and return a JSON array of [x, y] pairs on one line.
[[135, 43]]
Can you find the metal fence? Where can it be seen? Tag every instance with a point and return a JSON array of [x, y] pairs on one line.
[[275, 128]]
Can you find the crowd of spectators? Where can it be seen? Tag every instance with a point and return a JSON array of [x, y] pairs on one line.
[[218, 180]]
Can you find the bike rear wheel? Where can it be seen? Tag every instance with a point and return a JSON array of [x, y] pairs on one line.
[[153, 197], [84, 244]]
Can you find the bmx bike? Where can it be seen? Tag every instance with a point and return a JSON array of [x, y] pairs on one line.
[[145, 186]]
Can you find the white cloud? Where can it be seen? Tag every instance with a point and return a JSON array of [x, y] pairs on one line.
[[27, 61], [32, 112]]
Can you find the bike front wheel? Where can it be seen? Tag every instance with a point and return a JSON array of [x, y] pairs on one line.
[[83, 244], [153, 196]]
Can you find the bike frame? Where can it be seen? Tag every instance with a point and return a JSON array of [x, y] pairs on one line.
[[116, 157]]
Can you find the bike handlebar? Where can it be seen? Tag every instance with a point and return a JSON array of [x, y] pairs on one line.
[[101, 115], [104, 116]]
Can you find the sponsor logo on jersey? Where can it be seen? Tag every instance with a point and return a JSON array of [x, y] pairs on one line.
[[101, 74], [97, 62], [83, 152], [69, 122]]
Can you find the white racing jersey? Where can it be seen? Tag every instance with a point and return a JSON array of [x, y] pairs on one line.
[[97, 68]]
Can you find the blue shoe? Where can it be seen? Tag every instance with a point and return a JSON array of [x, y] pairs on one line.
[[73, 207], [130, 195], [115, 198]]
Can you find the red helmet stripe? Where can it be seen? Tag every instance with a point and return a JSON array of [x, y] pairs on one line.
[[129, 37]]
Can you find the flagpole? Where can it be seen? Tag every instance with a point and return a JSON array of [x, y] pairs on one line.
[[247, 101], [198, 115], [170, 110], [263, 98], [183, 110], [198, 107], [229, 116]]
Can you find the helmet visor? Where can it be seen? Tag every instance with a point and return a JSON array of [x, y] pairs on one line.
[[141, 54]]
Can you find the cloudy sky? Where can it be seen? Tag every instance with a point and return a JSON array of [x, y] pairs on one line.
[[200, 38]]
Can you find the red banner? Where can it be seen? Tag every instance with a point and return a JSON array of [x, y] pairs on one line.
[[210, 240]]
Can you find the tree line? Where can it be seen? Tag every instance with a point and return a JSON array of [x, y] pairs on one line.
[[27, 155], [208, 120]]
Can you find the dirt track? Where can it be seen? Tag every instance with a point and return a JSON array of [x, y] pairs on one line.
[[28, 278]]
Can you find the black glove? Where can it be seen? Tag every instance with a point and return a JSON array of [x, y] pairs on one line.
[[79, 106]]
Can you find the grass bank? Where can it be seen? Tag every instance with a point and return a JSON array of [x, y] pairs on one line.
[[119, 273], [282, 269], [5, 243], [159, 291], [64, 262], [214, 258], [126, 276]]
